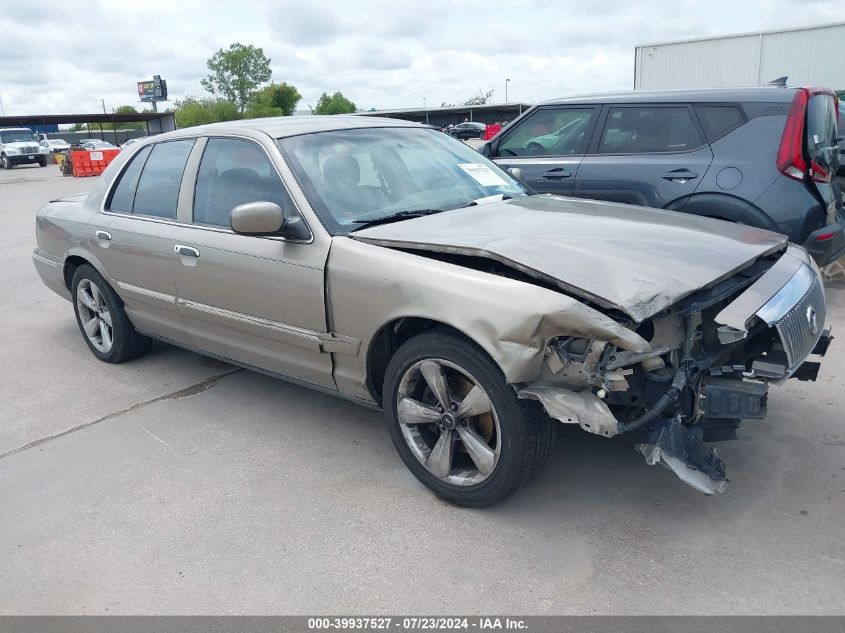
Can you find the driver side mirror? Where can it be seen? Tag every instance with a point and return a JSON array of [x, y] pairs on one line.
[[266, 218]]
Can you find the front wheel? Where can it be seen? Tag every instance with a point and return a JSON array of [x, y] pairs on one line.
[[457, 425], [43, 162], [6, 162], [102, 320]]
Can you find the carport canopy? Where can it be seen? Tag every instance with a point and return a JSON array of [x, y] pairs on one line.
[[155, 122]]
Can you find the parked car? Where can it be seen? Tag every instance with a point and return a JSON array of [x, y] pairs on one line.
[[760, 156], [841, 139], [384, 262], [94, 144], [19, 146], [130, 141], [55, 145], [468, 129]]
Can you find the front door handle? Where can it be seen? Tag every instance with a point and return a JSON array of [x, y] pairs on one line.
[[680, 175], [103, 235], [556, 174], [187, 251]]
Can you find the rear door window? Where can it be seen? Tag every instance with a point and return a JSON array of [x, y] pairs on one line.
[[649, 130], [158, 186], [718, 120], [550, 132]]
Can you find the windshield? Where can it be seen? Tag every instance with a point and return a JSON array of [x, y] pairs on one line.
[[354, 176], [16, 136]]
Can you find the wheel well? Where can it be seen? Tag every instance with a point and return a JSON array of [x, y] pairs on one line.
[[390, 338], [71, 264]]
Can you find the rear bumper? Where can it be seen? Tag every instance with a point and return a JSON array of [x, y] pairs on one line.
[[831, 246], [51, 270]]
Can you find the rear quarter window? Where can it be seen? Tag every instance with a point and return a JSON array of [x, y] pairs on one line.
[[718, 120], [158, 186]]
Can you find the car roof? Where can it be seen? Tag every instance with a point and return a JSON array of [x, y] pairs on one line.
[[279, 127], [765, 94]]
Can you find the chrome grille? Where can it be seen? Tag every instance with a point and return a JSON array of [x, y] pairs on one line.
[[29, 149], [801, 327]]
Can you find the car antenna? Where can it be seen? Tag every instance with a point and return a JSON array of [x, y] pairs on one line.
[[780, 82]]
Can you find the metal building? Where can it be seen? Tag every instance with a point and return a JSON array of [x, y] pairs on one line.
[[809, 56]]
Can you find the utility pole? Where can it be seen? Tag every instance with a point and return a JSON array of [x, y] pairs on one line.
[[103, 101], [2, 109], [507, 81], [426, 111]]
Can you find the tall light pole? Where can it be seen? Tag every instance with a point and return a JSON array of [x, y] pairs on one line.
[[426, 111], [507, 81]]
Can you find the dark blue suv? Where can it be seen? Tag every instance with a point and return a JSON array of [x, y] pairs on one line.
[[763, 156]]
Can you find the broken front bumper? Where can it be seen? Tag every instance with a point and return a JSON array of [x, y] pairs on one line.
[[789, 300]]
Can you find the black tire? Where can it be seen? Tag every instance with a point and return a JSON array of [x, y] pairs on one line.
[[127, 343], [6, 162], [43, 162], [527, 433]]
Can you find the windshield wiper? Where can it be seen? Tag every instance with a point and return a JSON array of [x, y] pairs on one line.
[[395, 217]]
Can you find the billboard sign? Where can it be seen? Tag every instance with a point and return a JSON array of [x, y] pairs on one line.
[[155, 90]]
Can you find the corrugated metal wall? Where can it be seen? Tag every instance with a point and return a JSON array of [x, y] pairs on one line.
[[813, 56]]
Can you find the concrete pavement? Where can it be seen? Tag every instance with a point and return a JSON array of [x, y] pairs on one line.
[[175, 484]]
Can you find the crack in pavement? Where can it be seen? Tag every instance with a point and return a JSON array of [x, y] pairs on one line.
[[187, 392]]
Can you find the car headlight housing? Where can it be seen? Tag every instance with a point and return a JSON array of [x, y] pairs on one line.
[[11, 150]]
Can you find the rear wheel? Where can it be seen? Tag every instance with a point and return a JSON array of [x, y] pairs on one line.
[[102, 320], [456, 423]]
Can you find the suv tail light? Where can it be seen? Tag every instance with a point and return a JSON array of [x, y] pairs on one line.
[[791, 162]]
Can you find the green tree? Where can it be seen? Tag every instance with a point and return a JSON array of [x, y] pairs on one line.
[[274, 100], [480, 99], [236, 73], [192, 111], [76, 127], [334, 104]]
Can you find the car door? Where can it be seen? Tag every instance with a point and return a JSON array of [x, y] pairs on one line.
[[255, 300], [548, 146], [646, 154], [133, 237]]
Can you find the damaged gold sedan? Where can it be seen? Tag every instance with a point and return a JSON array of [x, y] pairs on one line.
[[387, 263]]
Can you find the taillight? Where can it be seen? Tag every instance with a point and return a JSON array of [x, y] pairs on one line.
[[791, 161], [819, 173]]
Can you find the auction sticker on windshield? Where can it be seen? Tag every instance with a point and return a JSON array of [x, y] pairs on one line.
[[482, 174]]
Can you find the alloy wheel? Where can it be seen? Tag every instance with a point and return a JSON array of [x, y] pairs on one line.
[[448, 422], [94, 315]]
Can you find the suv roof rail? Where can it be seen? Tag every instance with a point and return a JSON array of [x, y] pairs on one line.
[[780, 82]]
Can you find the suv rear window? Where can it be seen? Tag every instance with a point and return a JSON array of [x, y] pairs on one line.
[[718, 120], [649, 130], [821, 130]]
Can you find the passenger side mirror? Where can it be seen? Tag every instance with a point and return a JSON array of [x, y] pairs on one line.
[[266, 218], [516, 172]]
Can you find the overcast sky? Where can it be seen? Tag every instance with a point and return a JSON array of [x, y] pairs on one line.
[[57, 57]]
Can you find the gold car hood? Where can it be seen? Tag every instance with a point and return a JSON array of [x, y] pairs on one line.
[[634, 259]]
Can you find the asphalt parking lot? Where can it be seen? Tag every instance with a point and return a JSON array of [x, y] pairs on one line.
[[177, 484]]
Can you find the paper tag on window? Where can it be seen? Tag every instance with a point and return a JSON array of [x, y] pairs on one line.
[[816, 139], [482, 174], [95, 155]]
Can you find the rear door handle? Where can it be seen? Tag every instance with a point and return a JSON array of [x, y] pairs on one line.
[[556, 174], [103, 235], [680, 175], [187, 251]]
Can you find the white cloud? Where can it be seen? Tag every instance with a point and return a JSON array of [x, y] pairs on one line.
[[379, 53]]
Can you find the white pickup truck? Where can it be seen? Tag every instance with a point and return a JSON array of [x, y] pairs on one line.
[[19, 146]]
